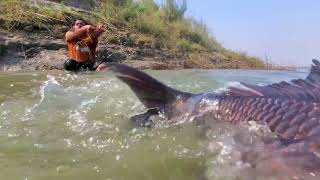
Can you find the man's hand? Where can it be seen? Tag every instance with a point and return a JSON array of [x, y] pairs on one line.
[[95, 32], [80, 33], [99, 30], [89, 28]]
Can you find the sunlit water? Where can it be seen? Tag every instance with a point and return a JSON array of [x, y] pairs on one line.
[[57, 125]]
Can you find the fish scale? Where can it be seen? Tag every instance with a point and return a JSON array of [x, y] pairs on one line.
[[290, 109], [279, 117]]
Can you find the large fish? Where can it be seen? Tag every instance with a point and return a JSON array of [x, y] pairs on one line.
[[290, 109]]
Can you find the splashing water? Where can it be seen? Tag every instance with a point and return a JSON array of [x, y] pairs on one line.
[[76, 126]]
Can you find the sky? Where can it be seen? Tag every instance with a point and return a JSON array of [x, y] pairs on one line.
[[286, 32]]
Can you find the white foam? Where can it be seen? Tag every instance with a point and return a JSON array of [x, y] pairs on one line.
[[45, 85]]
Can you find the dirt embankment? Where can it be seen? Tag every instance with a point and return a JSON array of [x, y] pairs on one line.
[[26, 46], [23, 51], [32, 51]]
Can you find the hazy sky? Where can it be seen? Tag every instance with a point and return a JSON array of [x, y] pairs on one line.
[[286, 31]]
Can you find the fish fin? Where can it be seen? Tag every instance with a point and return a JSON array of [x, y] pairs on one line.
[[303, 154], [301, 89], [151, 92], [285, 155], [314, 74], [143, 119]]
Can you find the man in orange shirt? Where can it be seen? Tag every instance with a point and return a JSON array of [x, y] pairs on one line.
[[82, 41]]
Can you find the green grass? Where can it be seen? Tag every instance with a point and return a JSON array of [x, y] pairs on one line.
[[252, 62], [144, 23], [54, 18]]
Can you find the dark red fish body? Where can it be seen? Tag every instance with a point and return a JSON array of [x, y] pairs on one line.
[[288, 118], [291, 110]]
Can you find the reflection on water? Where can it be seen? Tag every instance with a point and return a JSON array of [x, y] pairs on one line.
[[57, 125]]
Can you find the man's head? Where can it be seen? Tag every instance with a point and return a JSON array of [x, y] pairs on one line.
[[79, 23]]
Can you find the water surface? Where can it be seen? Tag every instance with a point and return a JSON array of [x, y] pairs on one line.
[[56, 125]]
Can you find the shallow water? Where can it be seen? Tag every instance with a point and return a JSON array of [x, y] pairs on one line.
[[63, 126]]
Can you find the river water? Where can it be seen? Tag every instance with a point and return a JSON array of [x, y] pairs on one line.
[[56, 125]]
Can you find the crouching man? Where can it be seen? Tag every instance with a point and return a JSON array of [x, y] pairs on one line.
[[82, 41]]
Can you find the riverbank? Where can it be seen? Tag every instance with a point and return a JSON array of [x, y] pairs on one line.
[[26, 52], [34, 41]]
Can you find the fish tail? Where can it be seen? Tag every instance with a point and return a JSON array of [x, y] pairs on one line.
[[151, 92]]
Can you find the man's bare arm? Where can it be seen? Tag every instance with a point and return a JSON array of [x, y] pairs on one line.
[[96, 32], [73, 36]]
